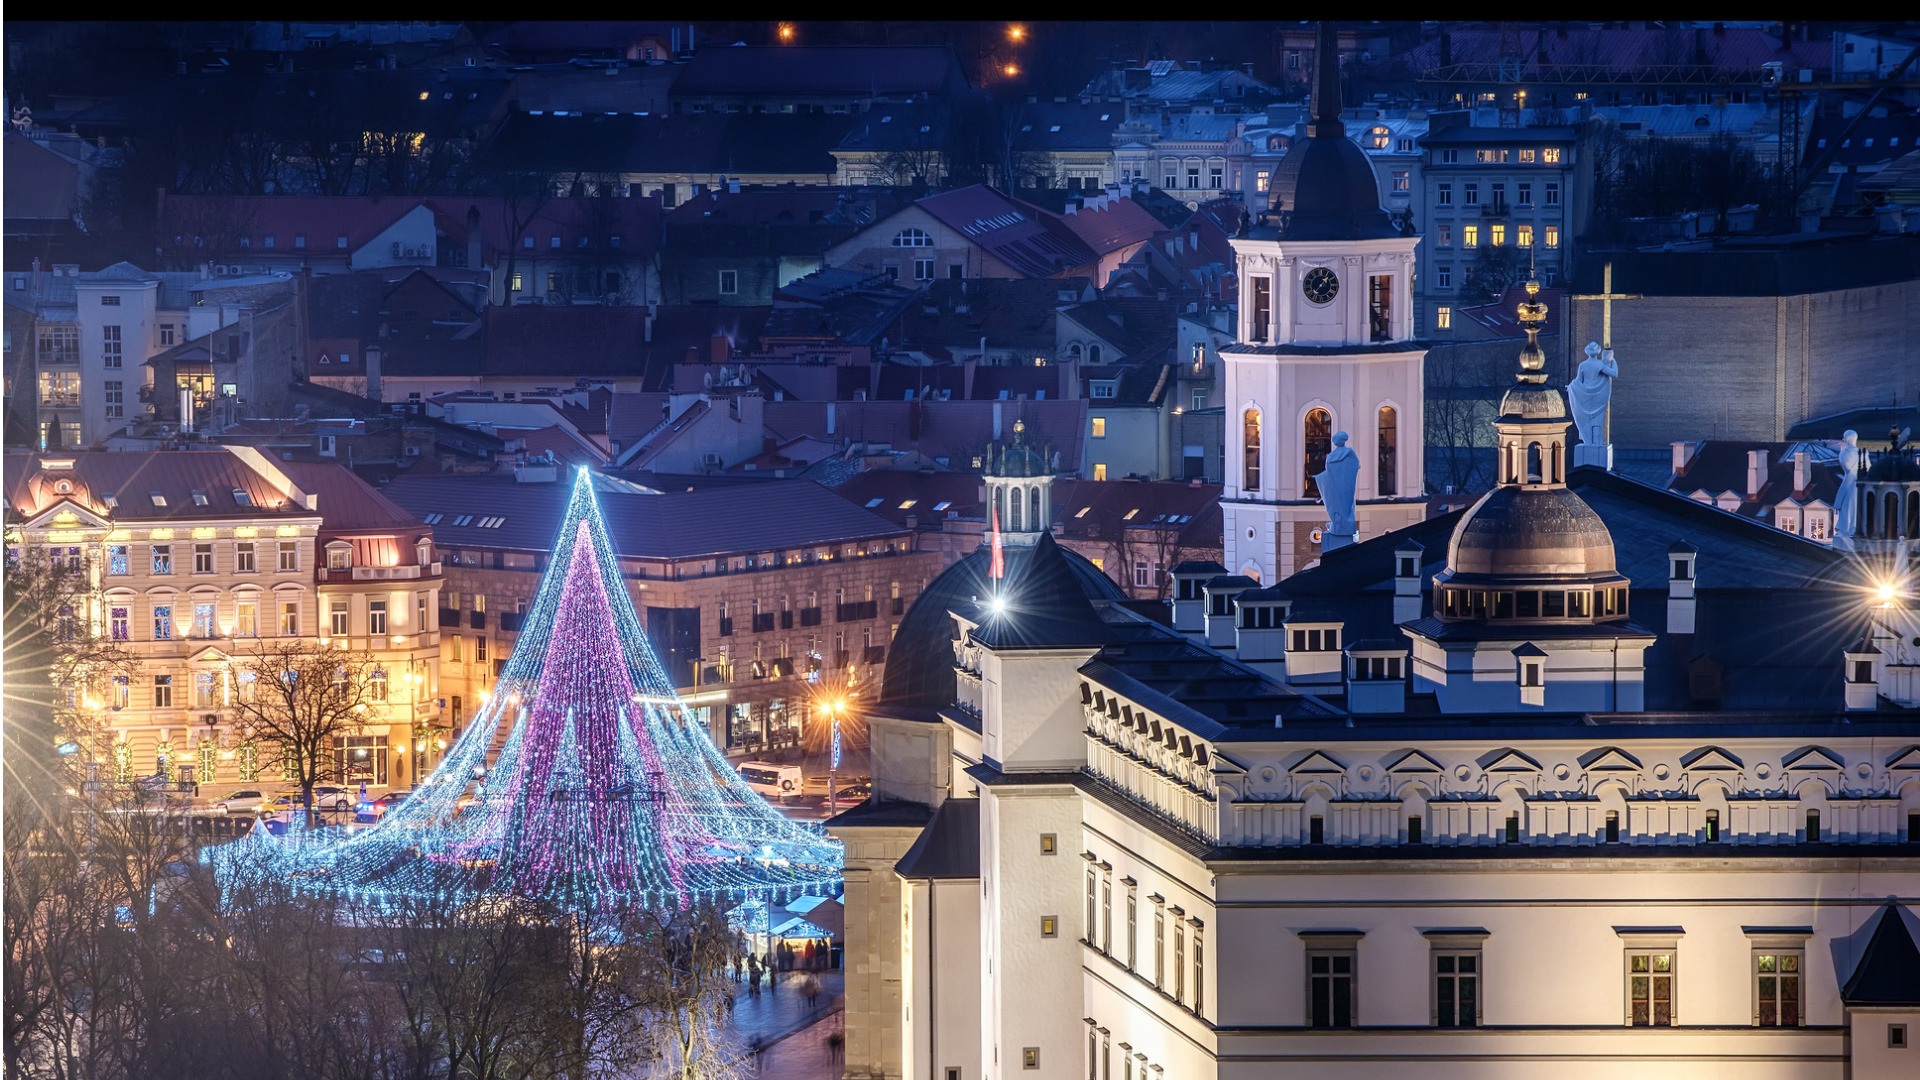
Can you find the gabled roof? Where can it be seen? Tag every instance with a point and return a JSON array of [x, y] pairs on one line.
[[949, 847], [175, 475], [1025, 237], [1143, 330], [1889, 970], [1145, 385], [1111, 223]]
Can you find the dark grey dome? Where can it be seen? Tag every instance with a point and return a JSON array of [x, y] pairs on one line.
[[1530, 402], [1019, 460], [1517, 533], [1894, 468], [920, 660], [1324, 189]]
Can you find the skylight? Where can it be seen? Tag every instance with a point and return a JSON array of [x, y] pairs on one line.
[[872, 503], [199, 497], [432, 519], [1128, 516], [1083, 512], [908, 504], [943, 504], [158, 499], [241, 498]]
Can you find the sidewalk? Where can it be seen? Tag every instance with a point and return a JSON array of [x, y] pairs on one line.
[[806, 1054], [777, 1014]]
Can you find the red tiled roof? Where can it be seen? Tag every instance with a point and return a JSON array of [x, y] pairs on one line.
[[1022, 235], [350, 505], [132, 479], [1121, 223]]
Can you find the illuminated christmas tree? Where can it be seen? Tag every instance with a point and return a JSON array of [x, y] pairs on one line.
[[606, 793]]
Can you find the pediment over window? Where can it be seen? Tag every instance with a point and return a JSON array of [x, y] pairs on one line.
[[1317, 762], [1414, 762], [1907, 759], [1609, 758], [1711, 759], [1813, 758], [1507, 759]]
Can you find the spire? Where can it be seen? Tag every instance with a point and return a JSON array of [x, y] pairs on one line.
[[1324, 112]]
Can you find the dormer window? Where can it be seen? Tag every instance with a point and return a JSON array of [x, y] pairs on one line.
[[339, 558]]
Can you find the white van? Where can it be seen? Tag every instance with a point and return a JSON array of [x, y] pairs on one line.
[[774, 780]]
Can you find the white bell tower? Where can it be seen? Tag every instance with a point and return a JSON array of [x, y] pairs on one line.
[[1325, 344]]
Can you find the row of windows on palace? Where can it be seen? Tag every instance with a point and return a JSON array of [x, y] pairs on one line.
[[212, 688], [357, 759]]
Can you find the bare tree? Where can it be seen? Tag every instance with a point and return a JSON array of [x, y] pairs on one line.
[[687, 955], [1464, 384], [301, 696]]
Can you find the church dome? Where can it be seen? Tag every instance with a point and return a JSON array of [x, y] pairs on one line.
[[1528, 402], [1019, 461], [1324, 189], [920, 660], [1516, 533]]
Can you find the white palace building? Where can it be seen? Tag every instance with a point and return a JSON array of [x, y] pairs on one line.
[[1585, 780]]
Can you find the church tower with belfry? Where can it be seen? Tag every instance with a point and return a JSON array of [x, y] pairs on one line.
[[1325, 344]]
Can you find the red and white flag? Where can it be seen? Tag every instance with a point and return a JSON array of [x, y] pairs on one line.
[[997, 569]]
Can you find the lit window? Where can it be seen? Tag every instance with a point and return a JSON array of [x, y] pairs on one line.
[[1650, 975], [1497, 234], [1776, 987], [1443, 318], [1553, 236], [1550, 155], [1099, 471], [1523, 235], [1099, 427], [1527, 157], [1470, 236]]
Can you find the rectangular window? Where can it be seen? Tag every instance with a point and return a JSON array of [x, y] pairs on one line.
[[1472, 194], [1099, 470], [1550, 155], [480, 650], [204, 690], [1258, 326], [1776, 987], [1199, 974], [116, 398], [456, 648], [289, 555], [110, 355], [1193, 176], [121, 622], [1402, 181], [1497, 234], [290, 618], [1523, 236], [1469, 236], [729, 282], [243, 562], [117, 559], [168, 335], [1449, 157], [1553, 236], [1133, 928], [377, 618], [1106, 916], [1650, 987], [246, 618], [1330, 987], [163, 558], [1553, 194], [337, 557], [1444, 238], [337, 618], [1092, 886], [1099, 427], [1179, 962], [923, 269], [163, 622], [1524, 192], [203, 558], [1142, 574], [1443, 276], [203, 620], [1159, 946], [1456, 989], [163, 691]]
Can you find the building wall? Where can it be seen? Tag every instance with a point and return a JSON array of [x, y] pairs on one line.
[[1771, 361], [872, 251], [940, 946], [871, 945], [135, 319]]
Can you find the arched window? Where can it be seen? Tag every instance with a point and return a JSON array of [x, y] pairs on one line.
[[1892, 524], [1865, 526], [1073, 351], [1013, 507], [1251, 477], [1033, 510], [1913, 515], [1093, 354], [1389, 451], [999, 505], [1318, 435], [1533, 463], [912, 238]]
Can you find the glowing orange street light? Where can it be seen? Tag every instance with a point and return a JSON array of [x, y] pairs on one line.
[[1011, 70], [1017, 32], [786, 31]]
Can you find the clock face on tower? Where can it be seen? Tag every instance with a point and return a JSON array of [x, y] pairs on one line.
[[1320, 285]]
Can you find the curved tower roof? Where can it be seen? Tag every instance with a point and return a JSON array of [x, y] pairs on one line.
[[1324, 189]]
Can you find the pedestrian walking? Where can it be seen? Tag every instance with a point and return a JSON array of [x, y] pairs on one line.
[[835, 1043]]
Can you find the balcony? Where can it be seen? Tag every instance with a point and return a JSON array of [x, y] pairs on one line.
[[786, 620], [899, 605], [450, 617], [763, 623], [726, 627], [858, 610], [809, 616], [477, 620], [511, 620], [874, 654]]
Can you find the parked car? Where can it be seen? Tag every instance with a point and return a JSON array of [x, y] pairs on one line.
[[332, 798], [240, 800], [852, 794], [375, 809]]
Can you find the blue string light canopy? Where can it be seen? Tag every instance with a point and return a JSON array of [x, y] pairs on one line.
[[606, 792]]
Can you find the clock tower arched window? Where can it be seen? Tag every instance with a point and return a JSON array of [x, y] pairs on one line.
[[1317, 431], [1251, 478], [1389, 423]]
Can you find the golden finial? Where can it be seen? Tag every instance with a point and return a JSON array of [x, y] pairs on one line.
[[1019, 427], [1532, 315]]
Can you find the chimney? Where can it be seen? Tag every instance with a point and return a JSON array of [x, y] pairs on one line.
[[373, 373], [1073, 206], [1756, 472], [1406, 582], [1221, 591], [1802, 473], [1861, 676], [1680, 586], [1682, 455], [720, 349], [1189, 595], [830, 417], [647, 329]]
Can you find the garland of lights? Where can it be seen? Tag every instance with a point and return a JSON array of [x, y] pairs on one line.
[[606, 794]]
